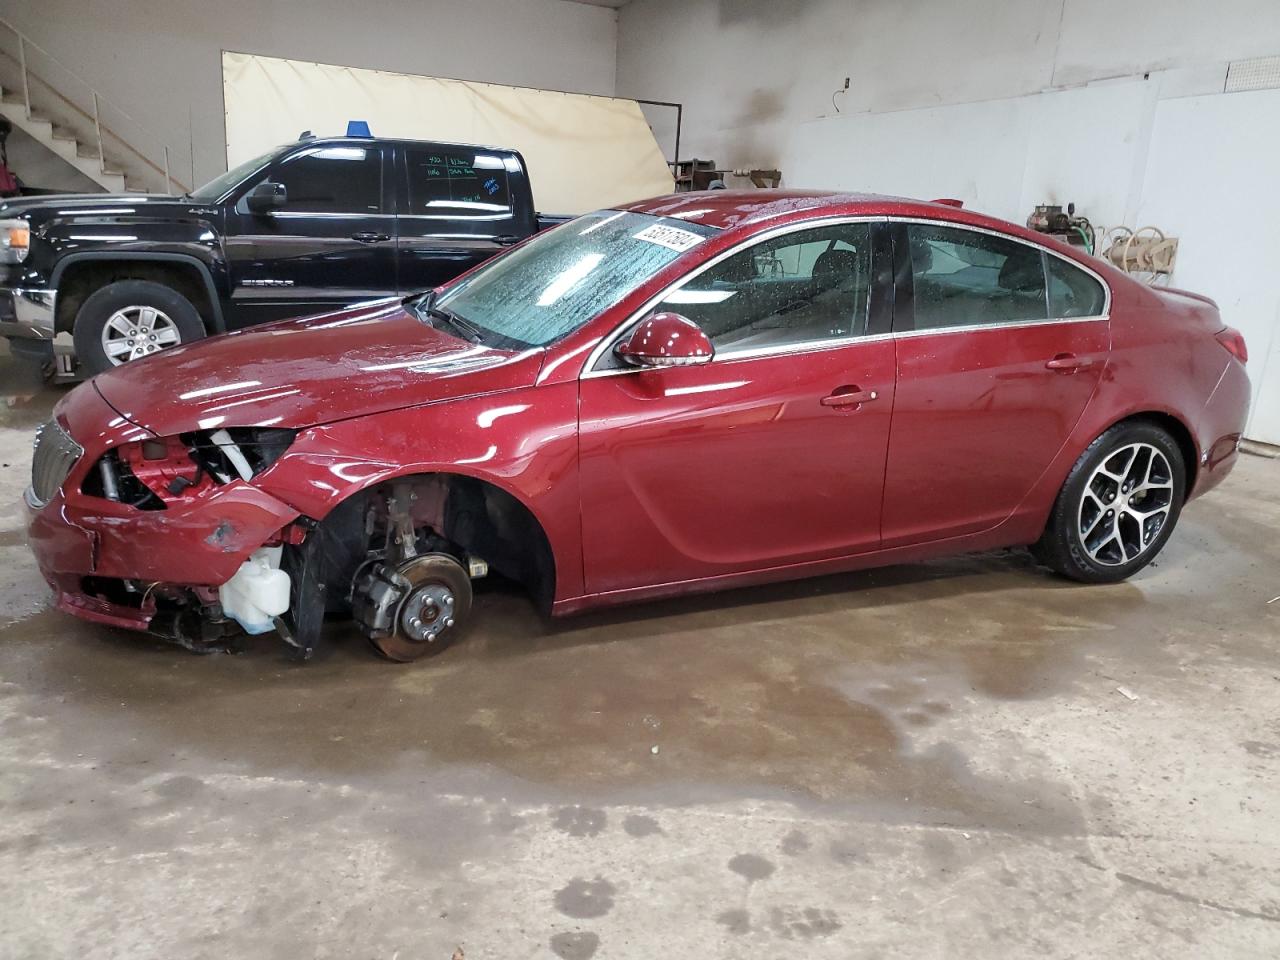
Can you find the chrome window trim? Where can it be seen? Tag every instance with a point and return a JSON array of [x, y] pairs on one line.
[[509, 215], [337, 215], [1106, 287], [1014, 325], [805, 346], [800, 346]]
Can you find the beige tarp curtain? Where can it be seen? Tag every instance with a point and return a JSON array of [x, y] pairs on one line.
[[583, 152]]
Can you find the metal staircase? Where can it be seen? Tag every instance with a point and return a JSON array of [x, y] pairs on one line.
[[66, 115]]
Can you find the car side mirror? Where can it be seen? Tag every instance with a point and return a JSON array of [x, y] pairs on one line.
[[666, 340], [266, 196]]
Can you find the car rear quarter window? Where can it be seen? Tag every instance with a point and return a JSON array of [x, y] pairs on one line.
[[338, 179], [456, 182], [964, 278], [1072, 292]]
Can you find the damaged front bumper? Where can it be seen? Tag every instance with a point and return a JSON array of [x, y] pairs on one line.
[[111, 563], [201, 545], [197, 544]]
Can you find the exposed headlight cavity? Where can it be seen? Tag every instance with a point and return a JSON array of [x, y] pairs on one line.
[[150, 474]]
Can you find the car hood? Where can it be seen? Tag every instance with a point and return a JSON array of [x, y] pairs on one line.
[[301, 373]]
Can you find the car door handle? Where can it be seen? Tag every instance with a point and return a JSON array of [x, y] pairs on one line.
[[1068, 363], [369, 237], [848, 397], [506, 240]]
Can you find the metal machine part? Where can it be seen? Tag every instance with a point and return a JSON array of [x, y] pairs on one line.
[[1050, 218], [413, 610], [708, 175]]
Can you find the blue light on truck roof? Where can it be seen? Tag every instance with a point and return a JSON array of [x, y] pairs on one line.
[[358, 128]]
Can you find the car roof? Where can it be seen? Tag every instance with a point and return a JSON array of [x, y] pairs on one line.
[[729, 209]]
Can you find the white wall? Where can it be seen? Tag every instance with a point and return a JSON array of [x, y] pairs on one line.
[[1003, 104], [160, 60], [745, 68]]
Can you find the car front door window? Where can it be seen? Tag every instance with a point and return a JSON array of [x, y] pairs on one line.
[[806, 286]]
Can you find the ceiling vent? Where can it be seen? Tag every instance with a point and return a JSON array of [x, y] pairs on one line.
[[1256, 73]]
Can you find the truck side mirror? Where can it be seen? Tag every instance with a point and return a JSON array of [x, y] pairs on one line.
[[266, 196]]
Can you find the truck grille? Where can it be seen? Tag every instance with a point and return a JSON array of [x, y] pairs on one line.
[[56, 453]]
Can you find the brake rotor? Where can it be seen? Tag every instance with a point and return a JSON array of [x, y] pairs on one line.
[[433, 610]]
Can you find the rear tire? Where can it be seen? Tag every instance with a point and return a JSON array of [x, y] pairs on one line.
[[131, 319], [1118, 506]]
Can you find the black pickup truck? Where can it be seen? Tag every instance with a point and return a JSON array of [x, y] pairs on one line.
[[307, 227]]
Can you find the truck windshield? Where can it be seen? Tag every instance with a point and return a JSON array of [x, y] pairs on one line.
[[558, 281], [215, 188]]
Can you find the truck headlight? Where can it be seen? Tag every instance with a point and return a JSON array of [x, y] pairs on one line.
[[15, 240]]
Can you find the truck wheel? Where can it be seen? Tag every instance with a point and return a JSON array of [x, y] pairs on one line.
[[131, 319]]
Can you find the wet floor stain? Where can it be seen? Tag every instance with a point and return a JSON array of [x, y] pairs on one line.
[[1266, 751], [804, 691], [585, 899], [805, 923], [794, 843], [751, 867], [737, 922], [639, 825], [580, 821], [575, 946]]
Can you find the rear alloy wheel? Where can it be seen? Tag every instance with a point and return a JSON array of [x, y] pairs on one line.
[[132, 319], [1118, 507], [1124, 504], [433, 612]]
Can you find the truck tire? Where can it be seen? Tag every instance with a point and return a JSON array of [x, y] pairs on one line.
[[131, 319]]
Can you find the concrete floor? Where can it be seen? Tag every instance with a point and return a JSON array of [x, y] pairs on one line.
[[926, 761]]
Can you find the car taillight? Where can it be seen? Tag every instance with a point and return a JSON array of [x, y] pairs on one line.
[[1233, 340]]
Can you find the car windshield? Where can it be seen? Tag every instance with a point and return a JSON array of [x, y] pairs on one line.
[[215, 188], [557, 282]]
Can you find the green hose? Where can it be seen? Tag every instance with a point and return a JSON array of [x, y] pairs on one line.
[[1088, 241]]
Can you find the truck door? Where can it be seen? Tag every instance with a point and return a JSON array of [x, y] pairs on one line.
[[331, 244], [458, 207]]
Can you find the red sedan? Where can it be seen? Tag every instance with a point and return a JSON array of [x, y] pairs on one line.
[[695, 392]]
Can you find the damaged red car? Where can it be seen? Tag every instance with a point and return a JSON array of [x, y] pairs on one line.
[[695, 392]]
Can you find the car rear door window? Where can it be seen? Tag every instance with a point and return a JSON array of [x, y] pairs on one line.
[[337, 179], [964, 278], [805, 286], [1072, 292], [457, 182]]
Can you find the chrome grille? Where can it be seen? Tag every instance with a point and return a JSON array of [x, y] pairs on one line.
[[55, 454]]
